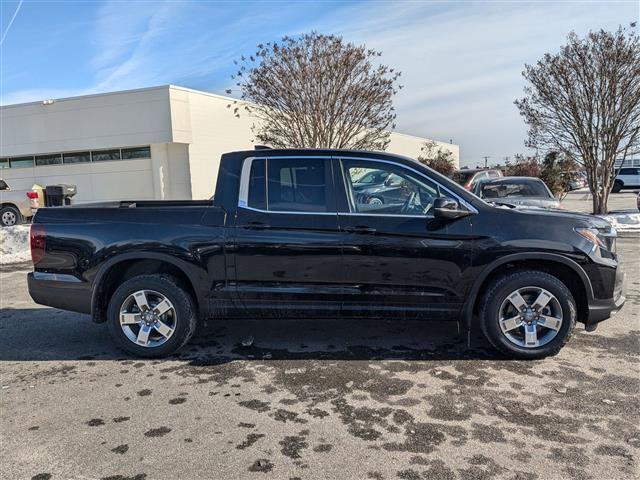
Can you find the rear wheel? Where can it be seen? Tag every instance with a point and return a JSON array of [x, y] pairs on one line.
[[151, 316], [10, 216], [617, 186], [528, 314]]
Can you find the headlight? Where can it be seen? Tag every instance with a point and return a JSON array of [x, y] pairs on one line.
[[599, 238]]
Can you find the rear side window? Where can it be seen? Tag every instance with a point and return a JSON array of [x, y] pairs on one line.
[[296, 185], [258, 185], [627, 171]]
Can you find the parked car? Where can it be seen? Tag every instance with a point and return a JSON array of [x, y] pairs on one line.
[[16, 206], [576, 183], [369, 179], [469, 178], [627, 177], [517, 191], [285, 236]]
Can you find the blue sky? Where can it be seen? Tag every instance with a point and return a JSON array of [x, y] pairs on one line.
[[461, 61]]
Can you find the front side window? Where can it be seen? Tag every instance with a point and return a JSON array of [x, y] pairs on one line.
[[403, 192]]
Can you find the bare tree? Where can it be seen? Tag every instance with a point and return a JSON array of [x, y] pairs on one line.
[[585, 102], [433, 156], [318, 91]]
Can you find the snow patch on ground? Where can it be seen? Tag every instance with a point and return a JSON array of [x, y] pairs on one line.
[[14, 245], [624, 221]]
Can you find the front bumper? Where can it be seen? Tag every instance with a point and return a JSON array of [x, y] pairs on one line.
[[59, 291], [602, 309]]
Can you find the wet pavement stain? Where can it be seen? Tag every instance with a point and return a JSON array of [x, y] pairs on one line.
[[157, 432], [121, 449]]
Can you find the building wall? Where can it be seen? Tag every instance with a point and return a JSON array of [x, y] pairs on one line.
[[187, 132], [410, 146], [130, 118], [99, 181]]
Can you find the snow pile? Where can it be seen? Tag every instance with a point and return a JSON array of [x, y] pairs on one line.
[[14, 244], [624, 221]]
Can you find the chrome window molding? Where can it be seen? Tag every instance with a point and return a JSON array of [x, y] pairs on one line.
[[460, 200], [245, 172], [243, 194]]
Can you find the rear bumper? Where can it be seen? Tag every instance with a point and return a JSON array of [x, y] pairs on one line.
[[602, 309], [60, 291]]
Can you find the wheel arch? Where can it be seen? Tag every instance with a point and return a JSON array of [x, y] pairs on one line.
[[565, 269], [125, 266]]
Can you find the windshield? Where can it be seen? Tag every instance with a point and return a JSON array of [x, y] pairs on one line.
[[371, 177], [515, 188]]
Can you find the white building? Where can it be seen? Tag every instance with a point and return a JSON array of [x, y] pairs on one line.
[[153, 143]]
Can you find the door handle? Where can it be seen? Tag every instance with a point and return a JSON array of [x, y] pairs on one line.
[[256, 226], [360, 229]]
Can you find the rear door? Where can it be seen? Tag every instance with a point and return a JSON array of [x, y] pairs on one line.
[[286, 240], [398, 259]]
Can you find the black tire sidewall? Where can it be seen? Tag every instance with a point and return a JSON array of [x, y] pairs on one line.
[[181, 300], [617, 186], [489, 314], [15, 211]]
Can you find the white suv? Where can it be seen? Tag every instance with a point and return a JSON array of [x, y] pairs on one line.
[[628, 177]]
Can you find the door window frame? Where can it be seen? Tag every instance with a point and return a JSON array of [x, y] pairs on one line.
[[345, 187], [245, 174]]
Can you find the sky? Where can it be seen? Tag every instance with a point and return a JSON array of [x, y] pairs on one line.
[[461, 62]]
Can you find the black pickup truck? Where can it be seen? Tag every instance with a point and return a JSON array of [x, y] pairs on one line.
[[286, 236]]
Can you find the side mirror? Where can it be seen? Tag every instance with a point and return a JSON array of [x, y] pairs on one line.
[[448, 208]]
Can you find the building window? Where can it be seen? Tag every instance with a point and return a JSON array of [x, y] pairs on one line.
[[4, 163], [54, 159], [77, 157], [21, 162], [139, 152], [104, 155]]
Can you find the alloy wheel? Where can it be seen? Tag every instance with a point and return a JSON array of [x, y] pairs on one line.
[[148, 318], [530, 317]]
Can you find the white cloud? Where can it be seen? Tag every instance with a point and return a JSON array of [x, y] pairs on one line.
[[461, 63]]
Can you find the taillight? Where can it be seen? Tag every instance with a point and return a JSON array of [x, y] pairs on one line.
[[37, 239], [32, 195]]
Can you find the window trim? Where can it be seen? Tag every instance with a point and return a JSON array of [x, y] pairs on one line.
[[460, 200], [243, 193], [245, 173]]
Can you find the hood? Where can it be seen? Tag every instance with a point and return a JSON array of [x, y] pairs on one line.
[[580, 219]]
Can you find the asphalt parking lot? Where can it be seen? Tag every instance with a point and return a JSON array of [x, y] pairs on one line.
[[581, 201], [315, 400]]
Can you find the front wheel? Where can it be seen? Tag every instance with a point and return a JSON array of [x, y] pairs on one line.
[[528, 314], [151, 316]]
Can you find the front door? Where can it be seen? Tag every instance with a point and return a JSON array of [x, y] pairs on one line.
[[398, 259], [287, 246]]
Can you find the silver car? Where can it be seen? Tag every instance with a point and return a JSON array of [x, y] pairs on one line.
[[517, 191]]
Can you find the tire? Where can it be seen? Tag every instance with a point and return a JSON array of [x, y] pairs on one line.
[[617, 186], [496, 304], [375, 201], [181, 318], [10, 216]]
